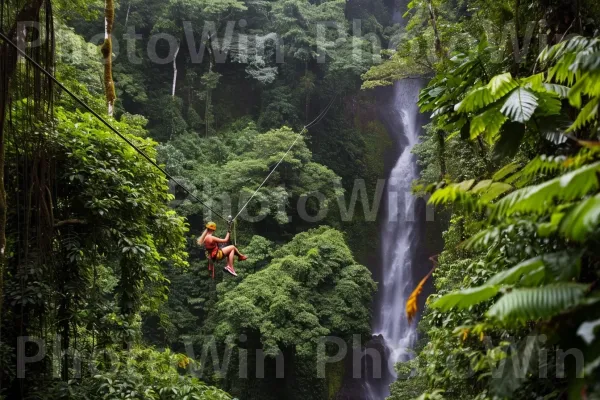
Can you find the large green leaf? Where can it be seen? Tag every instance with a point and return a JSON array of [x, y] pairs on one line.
[[559, 266], [582, 220], [538, 166], [514, 274], [549, 104], [506, 171], [489, 122], [521, 305], [502, 84], [520, 105], [475, 100], [465, 298], [495, 190]]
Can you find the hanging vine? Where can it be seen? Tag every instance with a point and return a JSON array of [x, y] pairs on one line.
[[109, 85]]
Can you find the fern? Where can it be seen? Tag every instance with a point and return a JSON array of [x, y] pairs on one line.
[[562, 266], [554, 129], [483, 238], [452, 193], [521, 305], [465, 194], [489, 190], [487, 238], [587, 85], [540, 165], [588, 114], [535, 82], [520, 105], [537, 198]]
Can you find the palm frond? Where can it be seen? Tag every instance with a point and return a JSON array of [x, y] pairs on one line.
[[588, 114]]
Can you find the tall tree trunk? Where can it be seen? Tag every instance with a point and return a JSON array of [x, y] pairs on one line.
[[109, 85], [438, 41], [307, 94], [175, 71], [442, 154], [127, 15], [3, 201], [207, 109]]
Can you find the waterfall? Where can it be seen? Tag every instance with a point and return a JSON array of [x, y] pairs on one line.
[[400, 237]]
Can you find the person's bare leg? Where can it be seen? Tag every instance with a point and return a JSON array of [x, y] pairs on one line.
[[230, 258], [232, 248]]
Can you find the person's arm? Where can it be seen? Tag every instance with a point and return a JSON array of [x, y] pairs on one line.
[[202, 237], [219, 240]]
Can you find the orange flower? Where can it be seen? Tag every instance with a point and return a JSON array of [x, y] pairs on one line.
[[412, 307]]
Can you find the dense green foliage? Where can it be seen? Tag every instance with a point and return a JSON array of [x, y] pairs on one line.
[[105, 264], [98, 253], [512, 153]]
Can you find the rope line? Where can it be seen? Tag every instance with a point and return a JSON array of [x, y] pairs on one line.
[[268, 176], [109, 126], [304, 130], [229, 220]]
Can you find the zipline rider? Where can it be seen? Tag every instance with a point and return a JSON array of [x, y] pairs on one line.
[[215, 251]]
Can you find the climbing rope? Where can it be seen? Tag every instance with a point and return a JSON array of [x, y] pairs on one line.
[[229, 220]]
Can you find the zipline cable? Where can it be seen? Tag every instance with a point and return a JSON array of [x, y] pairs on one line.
[[304, 130], [143, 154], [108, 125]]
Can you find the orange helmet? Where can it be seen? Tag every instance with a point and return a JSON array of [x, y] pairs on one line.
[[212, 226]]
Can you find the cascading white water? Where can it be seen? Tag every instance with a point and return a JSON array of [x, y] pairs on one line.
[[399, 238], [399, 234]]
